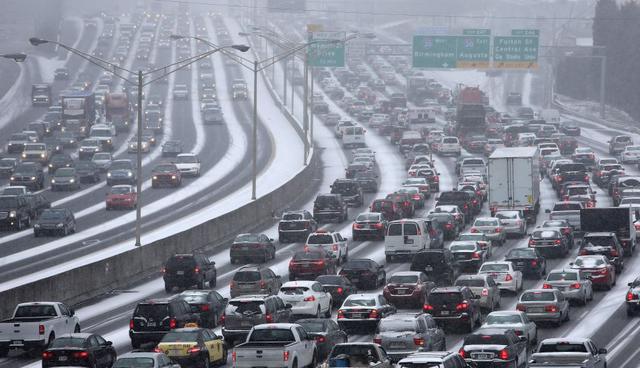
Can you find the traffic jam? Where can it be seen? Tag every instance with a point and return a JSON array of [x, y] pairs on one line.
[[506, 225]]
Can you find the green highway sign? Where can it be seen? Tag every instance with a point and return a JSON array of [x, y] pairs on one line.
[[326, 54], [473, 52], [515, 52], [434, 51], [525, 32], [476, 32]]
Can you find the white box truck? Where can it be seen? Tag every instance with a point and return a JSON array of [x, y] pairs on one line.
[[514, 180]]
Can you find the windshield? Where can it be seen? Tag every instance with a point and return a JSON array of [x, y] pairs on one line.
[[444, 298], [120, 190], [137, 362], [187, 160], [180, 336], [352, 302], [538, 296], [603, 241], [101, 133], [65, 172], [26, 168], [344, 188], [562, 347], [493, 319], [8, 202], [67, 342], [246, 276], [403, 279], [52, 214], [26, 311], [164, 168]]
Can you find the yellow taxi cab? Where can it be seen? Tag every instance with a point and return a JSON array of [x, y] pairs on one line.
[[194, 347]]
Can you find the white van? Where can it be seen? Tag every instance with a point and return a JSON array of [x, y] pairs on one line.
[[421, 115], [353, 137], [448, 145], [406, 237], [526, 139], [551, 116]]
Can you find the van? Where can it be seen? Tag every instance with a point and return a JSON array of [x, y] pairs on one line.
[[406, 237], [526, 139], [353, 137]]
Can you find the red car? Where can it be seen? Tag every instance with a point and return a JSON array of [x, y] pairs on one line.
[[404, 202], [122, 196], [309, 264], [166, 174], [598, 267]]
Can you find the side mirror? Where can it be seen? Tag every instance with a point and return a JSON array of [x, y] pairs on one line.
[[271, 239], [288, 306], [547, 211], [72, 312], [602, 351], [108, 343], [278, 276], [630, 284]]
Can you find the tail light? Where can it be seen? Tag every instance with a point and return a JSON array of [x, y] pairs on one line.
[[583, 252], [637, 226], [320, 339], [631, 296], [586, 178], [566, 198], [377, 340], [508, 277], [532, 242], [566, 230], [163, 270], [374, 314], [519, 222], [222, 319], [416, 197], [462, 353], [518, 332], [498, 230], [557, 242], [436, 178], [263, 284], [614, 253], [196, 270], [448, 226], [427, 308], [503, 354], [334, 247], [475, 201], [173, 323], [157, 350], [194, 350], [591, 156], [131, 324], [462, 306], [204, 307], [547, 286], [357, 226], [268, 318], [485, 292], [41, 329], [46, 355], [466, 206], [81, 355], [310, 299], [475, 255], [551, 309], [340, 314], [604, 271], [285, 356], [534, 263], [473, 229], [233, 356], [418, 341], [406, 203], [339, 290], [575, 285], [378, 225], [521, 308], [232, 284]]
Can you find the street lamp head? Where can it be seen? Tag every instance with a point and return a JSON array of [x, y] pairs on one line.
[[241, 48], [176, 37], [18, 58], [35, 41]]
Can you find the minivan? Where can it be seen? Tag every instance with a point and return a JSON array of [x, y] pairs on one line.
[[406, 237]]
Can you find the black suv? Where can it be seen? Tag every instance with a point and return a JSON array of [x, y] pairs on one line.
[[296, 225], [571, 172], [88, 171], [29, 174], [331, 207], [606, 244], [153, 318], [454, 305], [350, 190], [186, 270], [438, 264], [15, 212], [502, 348], [462, 199], [244, 312]]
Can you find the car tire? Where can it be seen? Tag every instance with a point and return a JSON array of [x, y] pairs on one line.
[[214, 281], [630, 313], [168, 288]]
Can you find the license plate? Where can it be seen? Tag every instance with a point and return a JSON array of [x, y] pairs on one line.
[[179, 272], [428, 268], [396, 345], [401, 291], [245, 286], [408, 241], [357, 315], [355, 280], [519, 263], [461, 256], [444, 312], [62, 358], [151, 324], [245, 324], [535, 310], [17, 342], [482, 356]]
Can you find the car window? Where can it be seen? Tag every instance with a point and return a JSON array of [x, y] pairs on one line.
[[411, 229], [279, 304], [93, 341], [395, 230]]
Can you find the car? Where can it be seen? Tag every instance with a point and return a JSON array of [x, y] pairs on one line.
[[403, 334], [369, 225], [309, 264], [7, 166], [307, 298], [188, 269], [37, 203], [87, 171], [574, 285], [81, 349], [549, 242], [513, 320], [367, 180], [404, 203], [604, 243], [528, 261], [329, 241], [60, 160], [65, 178], [154, 318], [16, 210], [467, 254], [350, 191], [149, 359], [447, 222], [121, 172], [434, 359], [387, 208], [363, 312], [632, 298], [122, 196], [29, 174], [247, 247], [171, 148], [408, 288], [244, 312], [326, 333], [338, 286], [618, 143], [59, 221], [180, 92], [495, 347], [492, 227], [364, 273], [483, 286], [564, 226], [330, 207], [89, 147], [454, 306], [193, 346], [544, 305], [437, 264], [133, 145], [166, 174], [504, 274], [254, 279], [209, 305], [598, 268], [188, 164], [566, 351], [513, 222], [358, 354], [296, 225]]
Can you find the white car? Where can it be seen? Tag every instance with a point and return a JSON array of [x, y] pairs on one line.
[[413, 170], [149, 359], [188, 164], [513, 222], [307, 298], [364, 152], [448, 145], [630, 154], [513, 320], [102, 160], [504, 274], [341, 126], [331, 242], [492, 228]]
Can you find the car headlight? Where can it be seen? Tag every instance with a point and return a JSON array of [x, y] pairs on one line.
[[12, 213], [50, 166], [155, 177], [12, 178], [129, 174], [37, 226], [108, 141], [72, 180], [173, 177], [59, 225], [53, 181], [72, 141], [42, 155], [108, 174], [33, 178], [24, 155]]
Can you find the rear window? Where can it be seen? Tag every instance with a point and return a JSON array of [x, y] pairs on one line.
[[397, 325], [470, 283], [453, 196], [320, 239], [589, 262], [67, 342], [292, 217], [271, 334], [246, 276], [395, 230], [496, 267], [247, 238], [444, 298], [562, 347], [312, 326], [155, 311], [330, 280], [572, 167], [623, 139], [137, 362], [411, 229], [325, 201], [35, 311], [180, 336], [403, 279], [486, 223], [357, 264], [486, 340], [603, 241], [538, 296], [545, 234], [368, 217], [562, 276], [294, 290], [247, 308], [459, 247], [181, 262], [450, 140], [359, 303], [307, 256]]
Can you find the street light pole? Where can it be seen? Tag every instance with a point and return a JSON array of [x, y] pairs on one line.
[[312, 113], [603, 71], [305, 107], [254, 165], [139, 163]]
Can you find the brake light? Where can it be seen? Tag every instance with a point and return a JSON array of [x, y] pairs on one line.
[[263, 284], [46, 355], [532, 242], [334, 247], [340, 314], [357, 226], [521, 308], [81, 355], [374, 314], [534, 263], [448, 226], [427, 307], [551, 309], [566, 198], [586, 178], [575, 285], [377, 340], [41, 329], [485, 292], [163, 270], [232, 284], [547, 286], [436, 178], [194, 350], [462, 353], [475, 255], [320, 339], [557, 242], [604, 271], [462, 306], [233, 356], [416, 197], [583, 252], [418, 341], [173, 323], [566, 230], [222, 319], [285, 356], [131, 324], [204, 307], [508, 278], [310, 299], [474, 230], [268, 318], [518, 332], [503, 354], [196, 270], [498, 230], [614, 253], [466, 206], [378, 225], [631, 296]]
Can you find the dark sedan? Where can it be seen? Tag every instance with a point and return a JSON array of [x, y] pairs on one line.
[[248, 247], [528, 261], [365, 273], [633, 297], [447, 222], [495, 348], [549, 241], [60, 160], [369, 225], [368, 181], [79, 349], [57, 221], [408, 288], [171, 148], [325, 331], [209, 305], [88, 171], [338, 286]]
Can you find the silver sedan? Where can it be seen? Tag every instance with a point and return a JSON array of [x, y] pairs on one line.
[[544, 305], [513, 320], [513, 222], [574, 285]]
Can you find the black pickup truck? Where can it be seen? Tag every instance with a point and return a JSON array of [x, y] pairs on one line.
[[462, 199]]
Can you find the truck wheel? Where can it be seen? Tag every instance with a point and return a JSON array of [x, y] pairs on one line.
[[168, 287], [76, 329]]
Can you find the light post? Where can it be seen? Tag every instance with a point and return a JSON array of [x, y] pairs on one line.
[[139, 80]]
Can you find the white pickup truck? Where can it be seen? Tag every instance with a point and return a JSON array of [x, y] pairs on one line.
[[36, 324], [276, 345], [568, 353]]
